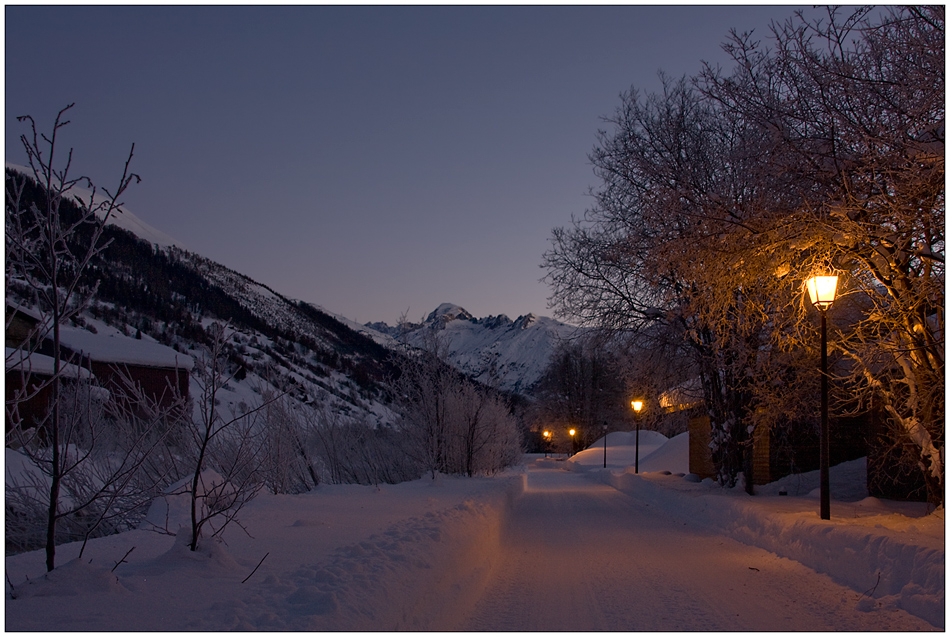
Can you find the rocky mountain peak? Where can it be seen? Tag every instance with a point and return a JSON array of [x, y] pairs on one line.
[[448, 312], [524, 322]]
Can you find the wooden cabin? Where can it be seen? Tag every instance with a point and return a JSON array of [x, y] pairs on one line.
[[159, 371], [112, 362]]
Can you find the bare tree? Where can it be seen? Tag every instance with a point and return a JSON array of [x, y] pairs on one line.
[[720, 196], [678, 175], [422, 395], [583, 387], [228, 449], [854, 107], [49, 250], [291, 466], [355, 451], [486, 435], [108, 474], [449, 423]]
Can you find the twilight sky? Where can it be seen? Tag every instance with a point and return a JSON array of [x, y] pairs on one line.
[[371, 160]]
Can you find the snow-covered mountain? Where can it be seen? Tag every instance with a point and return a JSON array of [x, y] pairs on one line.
[[152, 283], [493, 349], [150, 286]]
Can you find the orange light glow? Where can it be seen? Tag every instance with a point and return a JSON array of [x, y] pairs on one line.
[[637, 405], [572, 432]]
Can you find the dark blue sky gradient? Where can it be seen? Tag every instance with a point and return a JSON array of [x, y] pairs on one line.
[[371, 160]]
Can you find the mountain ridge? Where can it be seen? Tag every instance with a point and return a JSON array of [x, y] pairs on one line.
[[512, 354], [161, 288]]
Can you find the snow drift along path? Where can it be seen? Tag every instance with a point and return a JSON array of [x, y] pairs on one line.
[[580, 556], [344, 557], [897, 560]]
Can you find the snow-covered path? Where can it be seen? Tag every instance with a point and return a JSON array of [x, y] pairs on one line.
[[546, 546], [579, 555]]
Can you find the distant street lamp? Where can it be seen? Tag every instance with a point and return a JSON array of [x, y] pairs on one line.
[[573, 442], [605, 445], [637, 406], [547, 442], [821, 291]]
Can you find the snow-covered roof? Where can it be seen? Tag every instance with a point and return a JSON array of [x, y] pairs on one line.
[[15, 308], [21, 360], [121, 349]]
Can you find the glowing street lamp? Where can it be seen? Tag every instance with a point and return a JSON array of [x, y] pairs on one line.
[[821, 292], [573, 442], [547, 442], [637, 406]]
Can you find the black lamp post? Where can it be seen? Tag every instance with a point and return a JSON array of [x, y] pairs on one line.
[[637, 406], [605, 445], [821, 291]]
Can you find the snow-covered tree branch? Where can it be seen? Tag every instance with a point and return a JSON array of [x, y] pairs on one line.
[[722, 194]]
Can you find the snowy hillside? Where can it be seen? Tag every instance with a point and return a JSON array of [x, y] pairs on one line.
[[515, 352], [494, 349], [151, 287], [122, 218]]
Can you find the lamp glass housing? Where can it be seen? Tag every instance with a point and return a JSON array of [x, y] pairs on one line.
[[822, 290], [637, 405]]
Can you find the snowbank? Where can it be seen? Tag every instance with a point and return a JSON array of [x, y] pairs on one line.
[[894, 559], [344, 557], [893, 552], [656, 452]]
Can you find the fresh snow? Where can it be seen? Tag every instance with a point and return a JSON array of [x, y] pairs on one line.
[[118, 348], [656, 452], [41, 364], [558, 544]]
